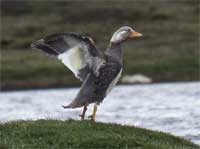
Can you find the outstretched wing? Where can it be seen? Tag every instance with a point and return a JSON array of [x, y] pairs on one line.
[[77, 52]]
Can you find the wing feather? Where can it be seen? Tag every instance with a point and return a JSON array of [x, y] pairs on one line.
[[75, 51]]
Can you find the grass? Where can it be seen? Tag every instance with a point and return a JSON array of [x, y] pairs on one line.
[[168, 51], [85, 134]]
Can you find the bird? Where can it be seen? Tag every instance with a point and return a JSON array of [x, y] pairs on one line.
[[98, 71]]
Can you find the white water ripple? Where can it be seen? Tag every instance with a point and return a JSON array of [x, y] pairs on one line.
[[170, 107]]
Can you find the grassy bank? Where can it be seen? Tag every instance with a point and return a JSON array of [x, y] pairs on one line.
[[85, 134], [168, 51]]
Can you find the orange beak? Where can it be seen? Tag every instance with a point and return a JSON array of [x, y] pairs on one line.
[[135, 34]]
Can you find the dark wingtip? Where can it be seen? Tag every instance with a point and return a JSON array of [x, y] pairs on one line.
[[41, 45], [36, 43]]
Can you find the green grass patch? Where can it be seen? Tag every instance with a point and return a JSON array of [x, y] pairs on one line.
[[85, 134]]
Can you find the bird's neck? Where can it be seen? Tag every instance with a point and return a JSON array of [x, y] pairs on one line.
[[114, 50]]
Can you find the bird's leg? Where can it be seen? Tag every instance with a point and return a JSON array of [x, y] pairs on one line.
[[82, 115], [93, 116]]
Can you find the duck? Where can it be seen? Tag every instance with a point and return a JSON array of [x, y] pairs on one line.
[[98, 71]]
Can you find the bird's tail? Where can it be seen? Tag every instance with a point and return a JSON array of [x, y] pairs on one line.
[[76, 103]]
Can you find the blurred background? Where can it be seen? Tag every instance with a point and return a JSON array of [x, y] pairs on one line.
[[167, 55], [167, 52]]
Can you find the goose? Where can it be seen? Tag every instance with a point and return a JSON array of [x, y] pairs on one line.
[[97, 70]]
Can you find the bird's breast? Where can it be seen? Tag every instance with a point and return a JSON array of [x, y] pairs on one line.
[[114, 82], [108, 77]]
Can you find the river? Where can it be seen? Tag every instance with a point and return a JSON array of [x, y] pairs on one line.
[[168, 107]]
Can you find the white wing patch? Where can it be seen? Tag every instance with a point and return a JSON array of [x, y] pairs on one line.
[[72, 58]]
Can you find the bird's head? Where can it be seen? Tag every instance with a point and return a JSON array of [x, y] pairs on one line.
[[124, 33]]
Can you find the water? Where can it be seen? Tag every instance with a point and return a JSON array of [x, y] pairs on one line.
[[171, 107]]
